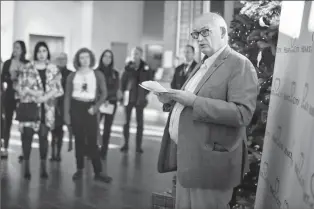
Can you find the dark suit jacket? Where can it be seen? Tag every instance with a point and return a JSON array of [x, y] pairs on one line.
[[180, 76], [131, 79], [224, 106]]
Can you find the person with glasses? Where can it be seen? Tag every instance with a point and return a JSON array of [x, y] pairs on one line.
[[183, 71], [208, 119]]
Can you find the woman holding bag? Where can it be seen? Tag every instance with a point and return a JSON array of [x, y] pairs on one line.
[[85, 92], [106, 66], [38, 86]]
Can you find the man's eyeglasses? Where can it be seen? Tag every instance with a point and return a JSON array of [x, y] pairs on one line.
[[204, 33]]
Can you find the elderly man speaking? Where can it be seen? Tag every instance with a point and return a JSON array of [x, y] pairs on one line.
[[208, 119]]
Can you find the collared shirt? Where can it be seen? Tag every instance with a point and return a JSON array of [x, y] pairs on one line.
[[190, 86]]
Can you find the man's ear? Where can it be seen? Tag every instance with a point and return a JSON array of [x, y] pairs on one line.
[[223, 32]]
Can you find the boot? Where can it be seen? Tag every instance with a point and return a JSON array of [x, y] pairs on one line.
[[139, 137], [27, 173], [77, 175], [126, 134], [102, 178], [125, 147], [43, 166], [53, 150], [103, 153], [21, 158], [59, 146]]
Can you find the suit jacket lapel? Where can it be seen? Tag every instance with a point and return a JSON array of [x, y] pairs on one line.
[[192, 66], [192, 73], [220, 59]]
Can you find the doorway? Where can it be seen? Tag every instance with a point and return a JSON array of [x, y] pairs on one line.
[[120, 52]]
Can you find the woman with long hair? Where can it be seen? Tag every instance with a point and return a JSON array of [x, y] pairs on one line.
[[38, 86], [85, 92], [9, 77], [106, 66]]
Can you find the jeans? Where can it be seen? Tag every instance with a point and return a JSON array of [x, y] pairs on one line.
[[140, 124]]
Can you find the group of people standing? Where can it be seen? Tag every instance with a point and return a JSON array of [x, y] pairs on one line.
[[45, 97]]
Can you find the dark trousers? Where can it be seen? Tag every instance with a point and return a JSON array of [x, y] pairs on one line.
[[57, 133], [27, 139], [9, 108], [57, 139], [85, 131], [140, 124], [108, 120]]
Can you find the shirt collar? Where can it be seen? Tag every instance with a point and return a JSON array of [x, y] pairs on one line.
[[212, 58], [188, 63]]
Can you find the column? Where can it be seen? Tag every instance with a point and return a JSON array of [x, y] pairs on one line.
[[87, 23], [206, 6], [7, 28], [228, 12], [170, 37]]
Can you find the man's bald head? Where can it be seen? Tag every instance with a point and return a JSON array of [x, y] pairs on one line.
[[214, 28], [62, 59], [212, 19]]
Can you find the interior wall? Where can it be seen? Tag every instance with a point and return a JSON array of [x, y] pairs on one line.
[[116, 21], [51, 18]]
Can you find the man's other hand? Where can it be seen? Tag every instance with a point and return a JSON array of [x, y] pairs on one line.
[[163, 97], [185, 98]]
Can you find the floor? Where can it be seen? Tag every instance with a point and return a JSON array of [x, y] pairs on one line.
[[135, 176]]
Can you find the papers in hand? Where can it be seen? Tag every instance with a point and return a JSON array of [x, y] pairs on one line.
[[106, 108], [153, 86]]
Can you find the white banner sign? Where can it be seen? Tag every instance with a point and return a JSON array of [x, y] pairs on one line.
[[286, 177]]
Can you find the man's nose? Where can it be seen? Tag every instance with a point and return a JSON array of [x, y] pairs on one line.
[[200, 38]]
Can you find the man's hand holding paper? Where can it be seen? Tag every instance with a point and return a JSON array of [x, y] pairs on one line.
[[153, 86], [183, 97]]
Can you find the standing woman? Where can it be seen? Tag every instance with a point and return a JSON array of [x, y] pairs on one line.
[[9, 77], [85, 92], [39, 85], [106, 64]]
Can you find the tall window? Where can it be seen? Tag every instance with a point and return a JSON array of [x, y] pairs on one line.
[[188, 10]]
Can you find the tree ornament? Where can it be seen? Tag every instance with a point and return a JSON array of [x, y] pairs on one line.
[[259, 58], [262, 23], [253, 34]]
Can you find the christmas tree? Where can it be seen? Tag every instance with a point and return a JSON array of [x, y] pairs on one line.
[[254, 33]]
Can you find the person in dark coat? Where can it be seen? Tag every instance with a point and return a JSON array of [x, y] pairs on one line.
[[136, 71], [57, 132], [9, 77], [183, 71]]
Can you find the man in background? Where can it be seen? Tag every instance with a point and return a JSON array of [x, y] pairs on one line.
[[136, 71], [183, 71], [57, 132]]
